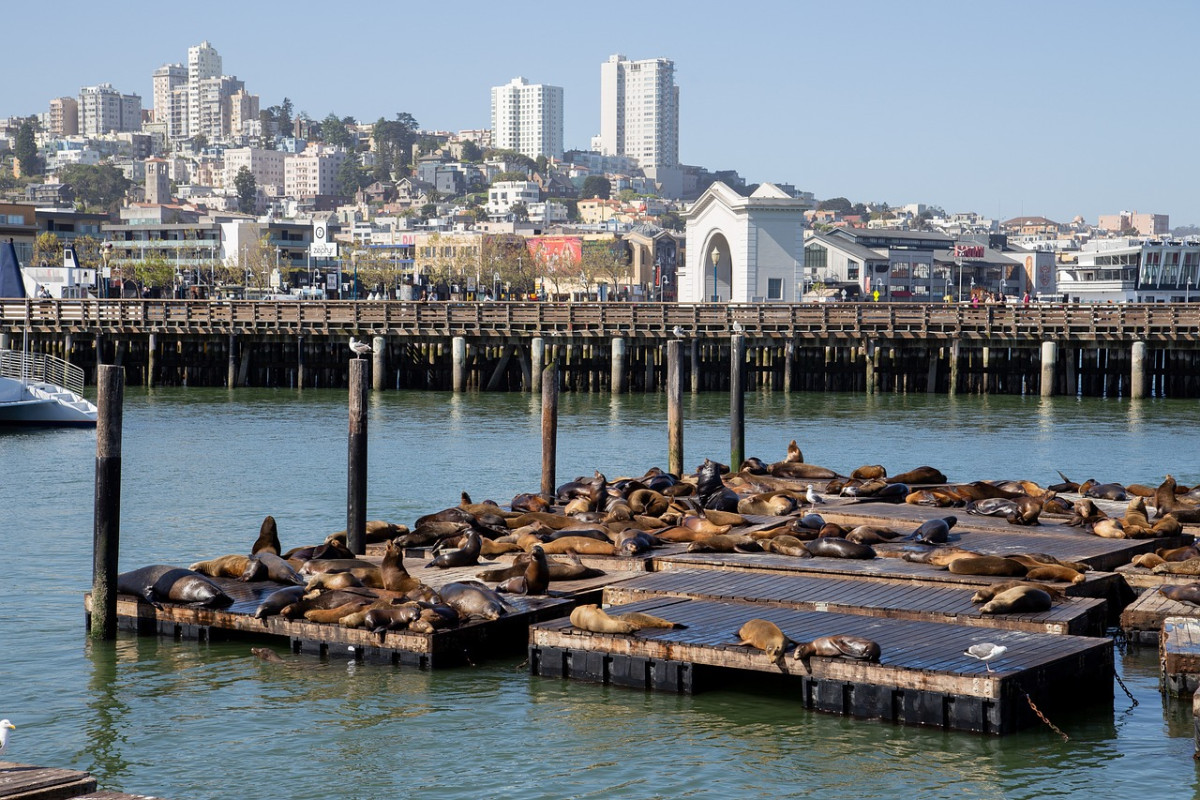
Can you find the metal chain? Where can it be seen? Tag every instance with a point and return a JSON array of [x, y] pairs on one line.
[[1125, 688], [1042, 716]]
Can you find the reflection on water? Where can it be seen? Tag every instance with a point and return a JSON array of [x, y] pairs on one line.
[[202, 467]]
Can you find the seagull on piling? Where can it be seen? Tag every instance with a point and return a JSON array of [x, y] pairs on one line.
[[359, 349], [5, 727], [812, 497], [679, 332], [985, 652], [738, 327]]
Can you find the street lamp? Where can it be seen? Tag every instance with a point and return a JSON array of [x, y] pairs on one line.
[[496, 285], [715, 257]]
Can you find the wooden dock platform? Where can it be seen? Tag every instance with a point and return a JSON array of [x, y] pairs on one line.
[[1143, 619], [923, 678], [467, 643], [29, 782], [1141, 579], [1179, 655], [889, 599]]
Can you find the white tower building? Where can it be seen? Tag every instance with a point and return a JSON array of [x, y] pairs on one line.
[[528, 118], [639, 110], [203, 62]]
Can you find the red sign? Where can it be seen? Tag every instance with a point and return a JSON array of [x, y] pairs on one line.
[[555, 252], [968, 251]]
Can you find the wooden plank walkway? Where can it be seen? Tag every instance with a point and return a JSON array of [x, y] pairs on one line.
[[1142, 620], [892, 599], [29, 782], [1179, 655], [467, 643], [923, 678], [1141, 579]]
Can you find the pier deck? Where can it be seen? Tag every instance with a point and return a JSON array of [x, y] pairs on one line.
[[29, 782], [1179, 655], [1143, 619], [890, 599], [923, 678]]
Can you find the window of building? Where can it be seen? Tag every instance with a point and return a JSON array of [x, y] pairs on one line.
[[774, 288]]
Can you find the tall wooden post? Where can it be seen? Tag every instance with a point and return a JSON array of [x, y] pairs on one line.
[[1137, 377], [737, 401], [151, 359], [694, 347], [955, 356], [458, 354], [110, 399], [674, 408], [356, 473], [99, 352], [618, 365], [537, 363], [789, 358], [231, 376], [549, 428], [1049, 355], [378, 362], [300, 359]]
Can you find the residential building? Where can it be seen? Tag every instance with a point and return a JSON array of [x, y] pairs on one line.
[[1149, 225], [528, 118], [503, 195], [639, 110], [1031, 227], [215, 106], [267, 167], [203, 62], [243, 112], [166, 79], [312, 173], [102, 109], [64, 117]]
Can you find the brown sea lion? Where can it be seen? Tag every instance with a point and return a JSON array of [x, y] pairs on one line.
[[466, 555], [1033, 560], [832, 529], [277, 600], [391, 618], [393, 575], [1107, 529], [375, 531], [160, 583], [919, 475], [266, 654], [530, 502], [1187, 593], [940, 556], [765, 636], [786, 545], [727, 543], [1147, 560], [333, 580], [474, 600], [578, 544], [268, 538], [794, 455], [678, 533], [1017, 600], [640, 620], [839, 647], [934, 531], [325, 600], [266, 566], [714, 517], [869, 472], [988, 592], [871, 534], [1055, 573], [800, 470], [1084, 514], [331, 616], [1135, 523], [1189, 567], [231, 566], [594, 619], [1179, 553], [988, 565], [1167, 526], [1105, 491], [770, 504]]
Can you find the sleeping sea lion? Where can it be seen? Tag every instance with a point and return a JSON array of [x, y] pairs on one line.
[[160, 583], [266, 566], [988, 592], [988, 565], [594, 619], [839, 646], [466, 555], [919, 475], [834, 547], [231, 566], [1055, 573], [640, 620], [765, 636], [277, 600], [1017, 600], [1187, 593]]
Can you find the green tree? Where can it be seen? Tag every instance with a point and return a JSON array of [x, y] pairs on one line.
[[247, 190], [48, 248], [509, 175], [393, 142], [351, 177], [283, 116], [595, 186], [541, 163], [671, 221], [26, 149], [154, 270], [471, 151], [513, 157], [520, 213], [333, 131], [840, 204], [100, 186]]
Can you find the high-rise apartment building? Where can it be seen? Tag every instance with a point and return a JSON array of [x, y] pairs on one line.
[[64, 117], [243, 109], [639, 110], [103, 109], [167, 78], [528, 118], [197, 100], [203, 62], [313, 172]]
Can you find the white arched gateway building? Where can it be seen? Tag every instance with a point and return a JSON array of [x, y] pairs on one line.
[[757, 241]]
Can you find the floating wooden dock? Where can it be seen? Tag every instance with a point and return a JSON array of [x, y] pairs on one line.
[[923, 678], [1179, 655], [889, 599], [1143, 619], [29, 782], [466, 643]]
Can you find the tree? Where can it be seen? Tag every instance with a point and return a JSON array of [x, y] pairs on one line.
[[595, 186], [48, 248], [541, 163], [333, 131], [393, 142], [247, 190], [520, 213], [154, 270], [512, 157], [471, 152], [283, 116], [96, 186], [256, 261], [604, 260], [509, 175], [839, 204], [671, 221], [26, 149], [351, 177]]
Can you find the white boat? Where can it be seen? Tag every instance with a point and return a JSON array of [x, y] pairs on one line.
[[37, 389]]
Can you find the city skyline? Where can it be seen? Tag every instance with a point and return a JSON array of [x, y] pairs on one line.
[[1006, 110]]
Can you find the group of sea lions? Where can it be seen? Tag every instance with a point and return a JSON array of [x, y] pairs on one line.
[[767, 636]]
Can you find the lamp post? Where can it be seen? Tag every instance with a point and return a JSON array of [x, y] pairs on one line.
[[715, 257], [496, 285]]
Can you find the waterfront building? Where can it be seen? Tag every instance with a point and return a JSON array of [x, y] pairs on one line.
[[102, 109], [1132, 270], [528, 118], [64, 117], [639, 110]]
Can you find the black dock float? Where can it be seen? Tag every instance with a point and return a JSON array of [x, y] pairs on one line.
[[923, 677], [892, 599]]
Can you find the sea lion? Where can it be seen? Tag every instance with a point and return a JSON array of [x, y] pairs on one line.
[[1055, 573], [267, 566], [794, 454], [786, 545], [375, 532], [268, 538], [160, 583], [988, 592], [727, 543], [326, 600], [316, 566], [879, 491], [231, 566], [812, 522], [1108, 528], [1167, 526], [769, 504], [466, 555], [1017, 600], [333, 580], [393, 575], [1189, 567], [988, 565], [754, 466], [680, 534], [1033, 560], [529, 502], [939, 556], [533, 579], [435, 618], [919, 475], [471, 599], [266, 654], [765, 636], [801, 470], [839, 646], [640, 620], [834, 547], [331, 616], [594, 619], [1179, 553], [870, 534], [634, 542], [277, 600], [711, 488], [934, 531], [1187, 593], [869, 472], [1105, 491], [1147, 560], [392, 618], [578, 544]]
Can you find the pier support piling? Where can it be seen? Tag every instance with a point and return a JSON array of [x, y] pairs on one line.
[[151, 359], [674, 408], [955, 355], [618, 365], [1137, 377], [459, 360], [110, 399], [737, 401], [231, 377], [549, 429], [300, 359], [1049, 356], [537, 363], [694, 352], [378, 363], [356, 472], [872, 354]]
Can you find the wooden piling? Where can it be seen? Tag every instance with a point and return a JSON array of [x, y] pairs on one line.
[[789, 357], [872, 356], [378, 362], [674, 408], [231, 379], [356, 473], [1049, 353], [537, 363], [99, 352], [549, 428], [737, 401], [694, 348], [300, 359], [151, 359], [110, 399], [1137, 372], [618, 365], [459, 363]]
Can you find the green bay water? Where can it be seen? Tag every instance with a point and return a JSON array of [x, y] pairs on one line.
[[201, 467]]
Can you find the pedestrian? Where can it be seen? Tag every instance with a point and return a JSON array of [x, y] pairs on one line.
[[1025, 299]]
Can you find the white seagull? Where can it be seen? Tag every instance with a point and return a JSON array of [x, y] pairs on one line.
[[679, 332], [812, 497], [5, 727], [738, 327], [985, 652], [359, 349]]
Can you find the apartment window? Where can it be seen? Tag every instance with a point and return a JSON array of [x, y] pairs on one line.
[[774, 288]]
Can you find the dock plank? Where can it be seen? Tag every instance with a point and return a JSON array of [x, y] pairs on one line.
[[29, 782], [1143, 619], [1179, 655]]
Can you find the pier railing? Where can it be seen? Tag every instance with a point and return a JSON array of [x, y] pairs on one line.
[[846, 321], [39, 368]]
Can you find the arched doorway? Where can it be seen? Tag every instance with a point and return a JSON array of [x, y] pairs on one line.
[[717, 262]]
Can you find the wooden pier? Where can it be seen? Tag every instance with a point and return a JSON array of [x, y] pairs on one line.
[[855, 347], [1179, 655], [1143, 619], [29, 782], [888, 599], [923, 677]]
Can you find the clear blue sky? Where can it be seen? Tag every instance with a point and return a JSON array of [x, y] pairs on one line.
[[1004, 108]]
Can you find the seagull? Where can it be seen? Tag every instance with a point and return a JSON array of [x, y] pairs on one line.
[[5, 727], [359, 349], [985, 652], [679, 332], [812, 497], [738, 327]]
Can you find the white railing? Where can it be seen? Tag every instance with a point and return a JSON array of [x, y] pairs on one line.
[[35, 367]]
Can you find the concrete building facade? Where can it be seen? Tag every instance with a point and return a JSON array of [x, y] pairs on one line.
[[639, 111], [103, 109], [528, 118], [267, 167], [64, 117], [313, 172]]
